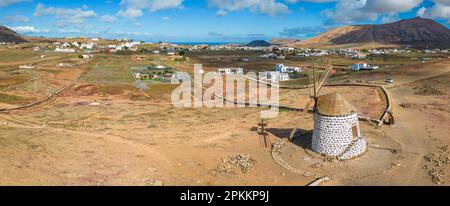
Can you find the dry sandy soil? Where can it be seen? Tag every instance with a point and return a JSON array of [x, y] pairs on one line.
[[130, 137]]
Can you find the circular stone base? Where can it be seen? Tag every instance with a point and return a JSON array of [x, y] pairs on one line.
[[298, 155]]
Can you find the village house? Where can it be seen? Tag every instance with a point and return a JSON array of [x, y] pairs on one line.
[[27, 66], [65, 50], [155, 73], [64, 64], [87, 46], [236, 70]]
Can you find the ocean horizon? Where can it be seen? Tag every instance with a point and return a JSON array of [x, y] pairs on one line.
[[205, 43]]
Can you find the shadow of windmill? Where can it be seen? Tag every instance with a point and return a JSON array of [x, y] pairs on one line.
[[299, 137]]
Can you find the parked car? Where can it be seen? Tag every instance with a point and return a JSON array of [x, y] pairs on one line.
[[389, 80]]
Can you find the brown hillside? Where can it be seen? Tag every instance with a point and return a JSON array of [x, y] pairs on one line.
[[418, 32], [10, 36]]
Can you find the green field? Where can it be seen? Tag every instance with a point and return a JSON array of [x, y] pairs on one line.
[[15, 55], [112, 70]]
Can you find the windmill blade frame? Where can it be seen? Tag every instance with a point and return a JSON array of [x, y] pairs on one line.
[[317, 83], [324, 78]]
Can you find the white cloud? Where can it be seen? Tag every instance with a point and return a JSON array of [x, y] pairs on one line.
[[133, 8], [437, 11], [108, 18], [4, 3], [350, 11], [27, 30], [221, 13], [442, 2], [314, 1], [130, 13], [269, 7], [17, 18], [65, 15], [166, 18], [388, 6], [390, 18], [69, 31]]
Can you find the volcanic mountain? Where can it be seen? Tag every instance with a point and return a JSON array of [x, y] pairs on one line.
[[10, 36], [258, 43], [416, 32]]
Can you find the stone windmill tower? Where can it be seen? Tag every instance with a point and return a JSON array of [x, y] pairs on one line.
[[336, 127]]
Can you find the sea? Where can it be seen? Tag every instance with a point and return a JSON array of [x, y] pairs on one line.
[[205, 43]]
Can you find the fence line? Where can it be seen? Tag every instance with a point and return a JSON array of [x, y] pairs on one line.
[[53, 94]]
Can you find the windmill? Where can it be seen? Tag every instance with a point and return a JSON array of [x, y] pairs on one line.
[[336, 127]]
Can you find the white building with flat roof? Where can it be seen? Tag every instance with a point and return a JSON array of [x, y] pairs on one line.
[[287, 69], [274, 76], [236, 70]]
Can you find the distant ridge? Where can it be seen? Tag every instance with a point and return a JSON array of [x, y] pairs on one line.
[[9, 36], [416, 32], [284, 42]]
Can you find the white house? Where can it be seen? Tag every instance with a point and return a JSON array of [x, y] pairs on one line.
[[284, 77], [65, 45], [76, 44], [237, 70], [223, 70], [65, 65], [27, 66], [287, 69], [274, 76], [86, 56], [87, 46]]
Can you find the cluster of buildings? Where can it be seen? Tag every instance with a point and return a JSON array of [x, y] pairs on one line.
[[273, 56], [281, 72], [155, 73], [73, 47], [66, 47], [128, 45], [364, 66], [230, 70]]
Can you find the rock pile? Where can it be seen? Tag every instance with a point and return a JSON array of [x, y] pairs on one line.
[[228, 165], [427, 90], [245, 162], [436, 163]]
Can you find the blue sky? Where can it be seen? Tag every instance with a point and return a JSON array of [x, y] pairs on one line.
[[206, 20]]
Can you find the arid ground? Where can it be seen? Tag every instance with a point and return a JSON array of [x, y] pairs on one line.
[[103, 131]]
